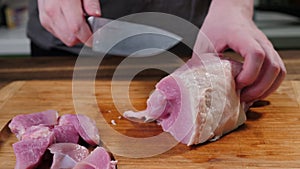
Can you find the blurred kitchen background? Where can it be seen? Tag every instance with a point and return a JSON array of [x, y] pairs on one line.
[[278, 19]]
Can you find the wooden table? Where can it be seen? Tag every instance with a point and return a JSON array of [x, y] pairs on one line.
[[269, 139]]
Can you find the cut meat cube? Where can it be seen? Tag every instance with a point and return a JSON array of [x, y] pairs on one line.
[[66, 119], [98, 159], [61, 161], [38, 131], [20, 123], [66, 155], [196, 103], [34, 132], [74, 151], [85, 126], [29, 152], [83, 165], [66, 134], [87, 129]]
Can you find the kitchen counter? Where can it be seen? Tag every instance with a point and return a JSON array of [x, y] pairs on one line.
[[270, 138], [56, 68]]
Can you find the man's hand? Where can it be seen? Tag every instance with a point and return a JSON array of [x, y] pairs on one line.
[[229, 25], [65, 19]]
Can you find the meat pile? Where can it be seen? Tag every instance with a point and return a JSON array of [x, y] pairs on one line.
[[40, 131], [196, 103]]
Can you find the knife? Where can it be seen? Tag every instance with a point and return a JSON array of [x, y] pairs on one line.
[[122, 38]]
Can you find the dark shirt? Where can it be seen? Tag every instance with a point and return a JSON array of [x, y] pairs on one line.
[[191, 10]]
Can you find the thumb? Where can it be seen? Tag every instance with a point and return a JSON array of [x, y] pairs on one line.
[[92, 7]]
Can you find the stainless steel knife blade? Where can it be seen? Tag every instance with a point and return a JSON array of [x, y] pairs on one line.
[[124, 38]]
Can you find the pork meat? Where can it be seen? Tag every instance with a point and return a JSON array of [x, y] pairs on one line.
[[197, 102], [66, 134], [66, 155], [85, 126], [30, 150], [20, 123], [34, 132], [98, 159], [66, 119]]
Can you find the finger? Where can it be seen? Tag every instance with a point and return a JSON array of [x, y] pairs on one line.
[[53, 20], [43, 16], [92, 7], [270, 77], [76, 20], [275, 85], [61, 29], [62, 32], [264, 81], [279, 78], [254, 57]]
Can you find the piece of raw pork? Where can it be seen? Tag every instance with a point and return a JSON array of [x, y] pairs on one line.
[[99, 158], [20, 123], [85, 126], [197, 102], [67, 155], [30, 150], [37, 131]]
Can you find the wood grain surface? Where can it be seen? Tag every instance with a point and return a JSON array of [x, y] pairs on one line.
[[61, 68], [269, 139]]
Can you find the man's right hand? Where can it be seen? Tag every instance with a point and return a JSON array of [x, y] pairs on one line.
[[65, 19]]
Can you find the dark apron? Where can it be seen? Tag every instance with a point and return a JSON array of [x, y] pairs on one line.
[[191, 10]]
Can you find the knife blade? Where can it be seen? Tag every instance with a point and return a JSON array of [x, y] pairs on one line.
[[124, 38]]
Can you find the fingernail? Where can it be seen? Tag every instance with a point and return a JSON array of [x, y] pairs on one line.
[[97, 12]]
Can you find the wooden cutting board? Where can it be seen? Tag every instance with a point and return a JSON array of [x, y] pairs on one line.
[[269, 139]]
